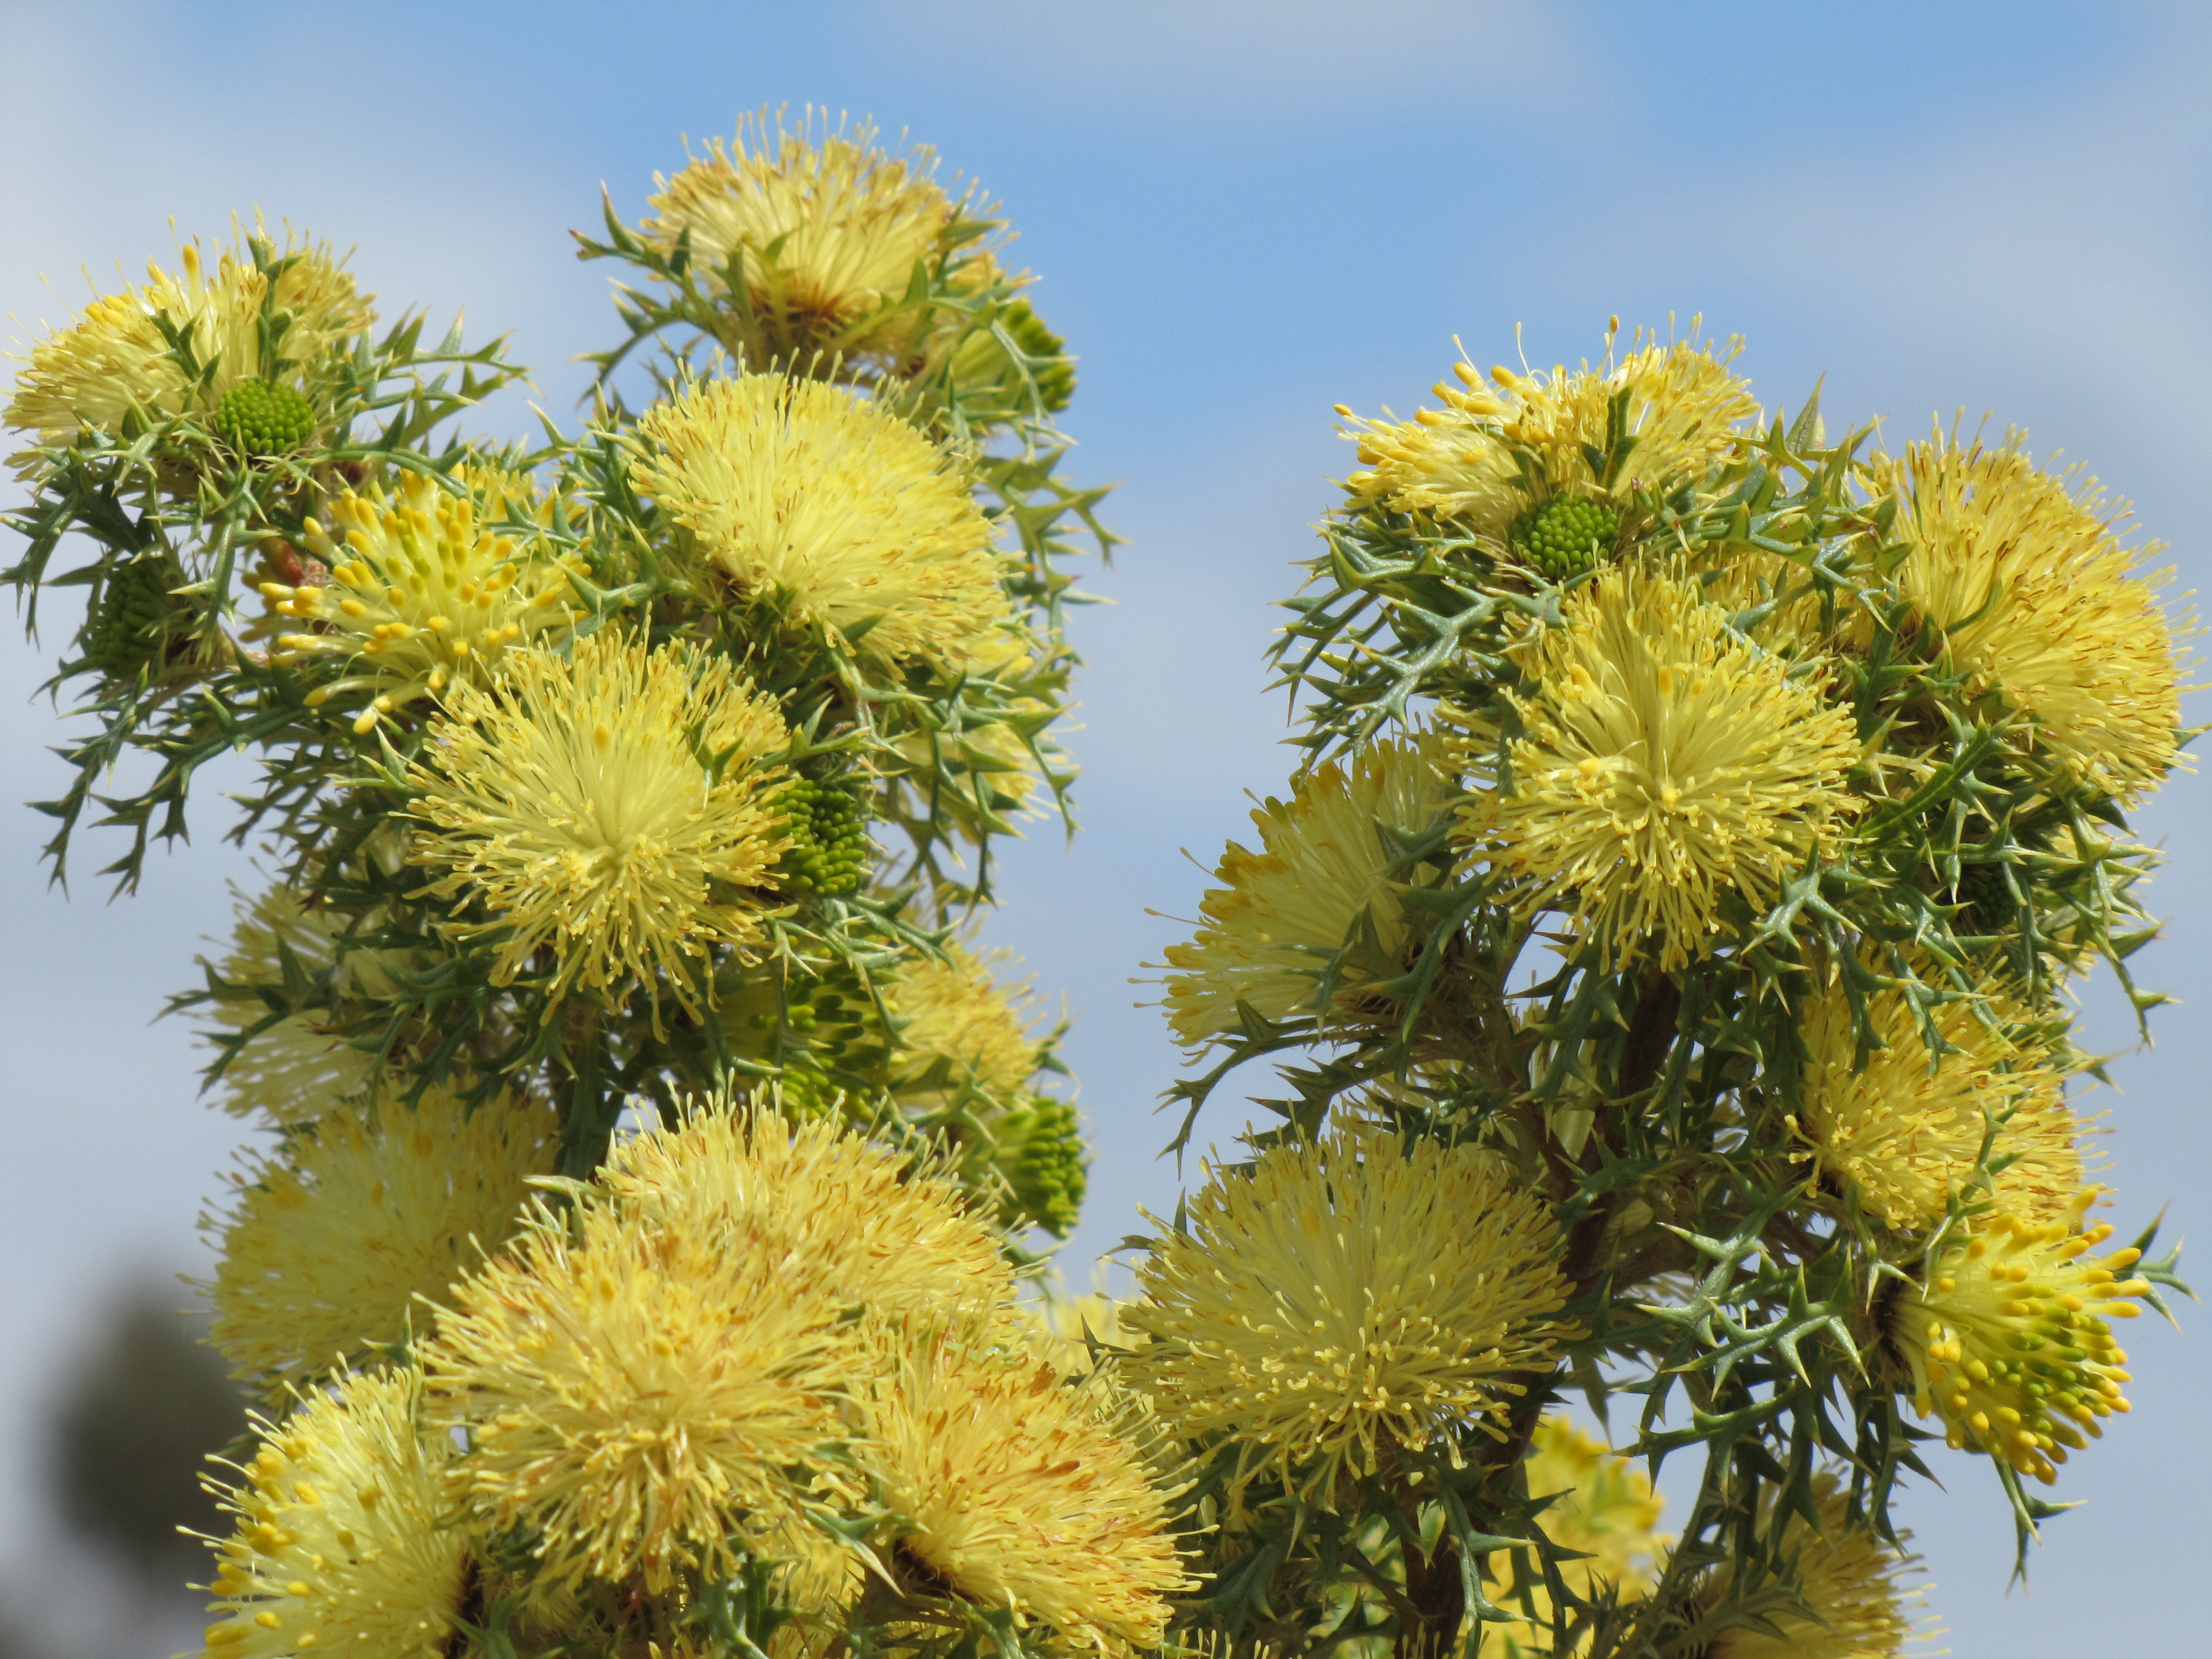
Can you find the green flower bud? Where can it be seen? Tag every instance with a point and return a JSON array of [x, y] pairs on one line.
[[129, 624], [1041, 1154], [1565, 537], [259, 418], [982, 365], [829, 845]]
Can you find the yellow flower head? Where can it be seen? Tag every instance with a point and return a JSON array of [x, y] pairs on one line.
[[1603, 1507], [821, 231], [599, 805], [1012, 1487], [1346, 1294], [640, 1395], [2032, 595], [1899, 1140], [977, 761], [330, 1244], [1846, 1596], [299, 1066], [1460, 462], [955, 1014], [830, 508], [114, 363], [1316, 887], [874, 1230], [2008, 1341], [340, 1542], [421, 595], [1661, 763], [1063, 1326]]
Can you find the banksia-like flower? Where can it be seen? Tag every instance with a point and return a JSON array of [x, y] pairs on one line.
[[1011, 1488], [819, 233], [642, 1397], [291, 1067], [1271, 937], [342, 1542], [2008, 1341], [1846, 1594], [960, 1029], [601, 807], [1346, 1296], [1603, 1509], [115, 364], [1657, 764], [333, 1245], [422, 597], [829, 508], [1899, 1139], [2031, 594], [978, 768], [1466, 461], [874, 1230]]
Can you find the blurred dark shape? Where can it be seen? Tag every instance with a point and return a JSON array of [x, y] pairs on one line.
[[129, 1434]]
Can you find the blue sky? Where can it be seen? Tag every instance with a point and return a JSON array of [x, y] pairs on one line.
[[1242, 214]]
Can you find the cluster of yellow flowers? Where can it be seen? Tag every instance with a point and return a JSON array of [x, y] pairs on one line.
[[749, 1341], [1664, 940], [656, 770], [1701, 821]]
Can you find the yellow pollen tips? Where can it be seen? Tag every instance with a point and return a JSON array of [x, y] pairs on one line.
[[1634, 804], [404, 641], [2032, 1366], [1359, 1245], [834, 510], [576, 805]]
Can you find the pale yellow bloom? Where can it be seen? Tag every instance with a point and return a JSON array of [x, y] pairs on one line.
[[821, 231], [1063, 1325], [1011, 1486], [1660, 765], [302, 1065], [421, 596], [1318, 886], [1604, 1509], [876, 1232], [1845, 1596], [979, 763], [830, 507], [642, 1397], [331, 1247], [2008, 1341], [342, 1542], [114, 362], [596, 805], [1899, 1139], [2030, 592], [956, 1016], [1345, 1295], [1460, 462]]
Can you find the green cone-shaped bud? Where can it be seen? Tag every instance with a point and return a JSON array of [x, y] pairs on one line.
[[1565, 537], [258, 418], [1041, 1154], [132, 616], [829, 1023], [981, 366], [829, 845]]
